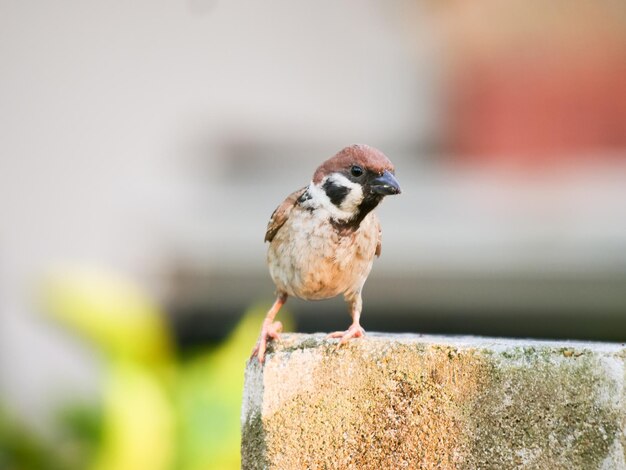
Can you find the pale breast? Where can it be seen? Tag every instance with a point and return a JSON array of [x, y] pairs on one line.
[[310, 259]]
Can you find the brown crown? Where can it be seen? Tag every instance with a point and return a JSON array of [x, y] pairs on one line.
[[363, 155]]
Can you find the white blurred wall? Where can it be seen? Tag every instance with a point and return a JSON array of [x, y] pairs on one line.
[[138, 132], [103, 106]]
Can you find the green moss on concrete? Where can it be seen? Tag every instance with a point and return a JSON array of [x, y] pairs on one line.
[[388, 402], [253, 455], [538, 409]]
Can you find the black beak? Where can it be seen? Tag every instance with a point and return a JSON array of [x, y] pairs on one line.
[[385, 184]]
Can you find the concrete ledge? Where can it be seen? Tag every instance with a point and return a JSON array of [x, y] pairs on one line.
[[408, 401]]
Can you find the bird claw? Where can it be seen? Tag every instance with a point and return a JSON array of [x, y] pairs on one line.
[[355, 331], [270, 331]]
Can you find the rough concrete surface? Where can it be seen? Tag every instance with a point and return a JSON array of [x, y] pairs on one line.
[[408, 401]]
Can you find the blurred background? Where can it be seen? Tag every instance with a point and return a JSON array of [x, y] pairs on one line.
[[145, 145]]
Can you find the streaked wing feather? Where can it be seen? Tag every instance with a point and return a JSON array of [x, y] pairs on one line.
[[281, 214]]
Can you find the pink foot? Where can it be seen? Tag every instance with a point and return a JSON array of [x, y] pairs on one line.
[[355, 331], [270, 331]]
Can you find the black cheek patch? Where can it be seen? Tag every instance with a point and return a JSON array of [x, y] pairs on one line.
[[335, 192]]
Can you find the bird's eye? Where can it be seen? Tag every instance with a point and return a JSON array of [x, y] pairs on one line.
[[356, 171]]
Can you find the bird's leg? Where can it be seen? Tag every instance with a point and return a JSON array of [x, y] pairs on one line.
[[355, 330], [270, 329]]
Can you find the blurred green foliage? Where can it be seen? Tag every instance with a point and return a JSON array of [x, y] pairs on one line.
[[76, 435], [21, 449], [158, 411]]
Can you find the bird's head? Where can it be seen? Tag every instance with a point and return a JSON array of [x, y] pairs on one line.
[[353, 182]]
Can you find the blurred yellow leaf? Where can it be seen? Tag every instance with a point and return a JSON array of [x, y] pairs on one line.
[[211, 388], [139, 423], [110, 312]]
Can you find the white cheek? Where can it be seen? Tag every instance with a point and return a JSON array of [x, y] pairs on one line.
[[320, 199], [318, 196], [353, 199]]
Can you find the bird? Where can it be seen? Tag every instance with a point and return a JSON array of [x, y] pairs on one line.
[[323, 237]]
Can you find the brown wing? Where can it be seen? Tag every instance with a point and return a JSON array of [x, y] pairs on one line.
[[280, 215], [379, 245]]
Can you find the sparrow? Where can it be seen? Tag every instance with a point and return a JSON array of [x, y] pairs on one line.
[[323, 238]]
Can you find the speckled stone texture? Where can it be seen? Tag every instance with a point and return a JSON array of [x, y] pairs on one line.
[[408, 401]]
